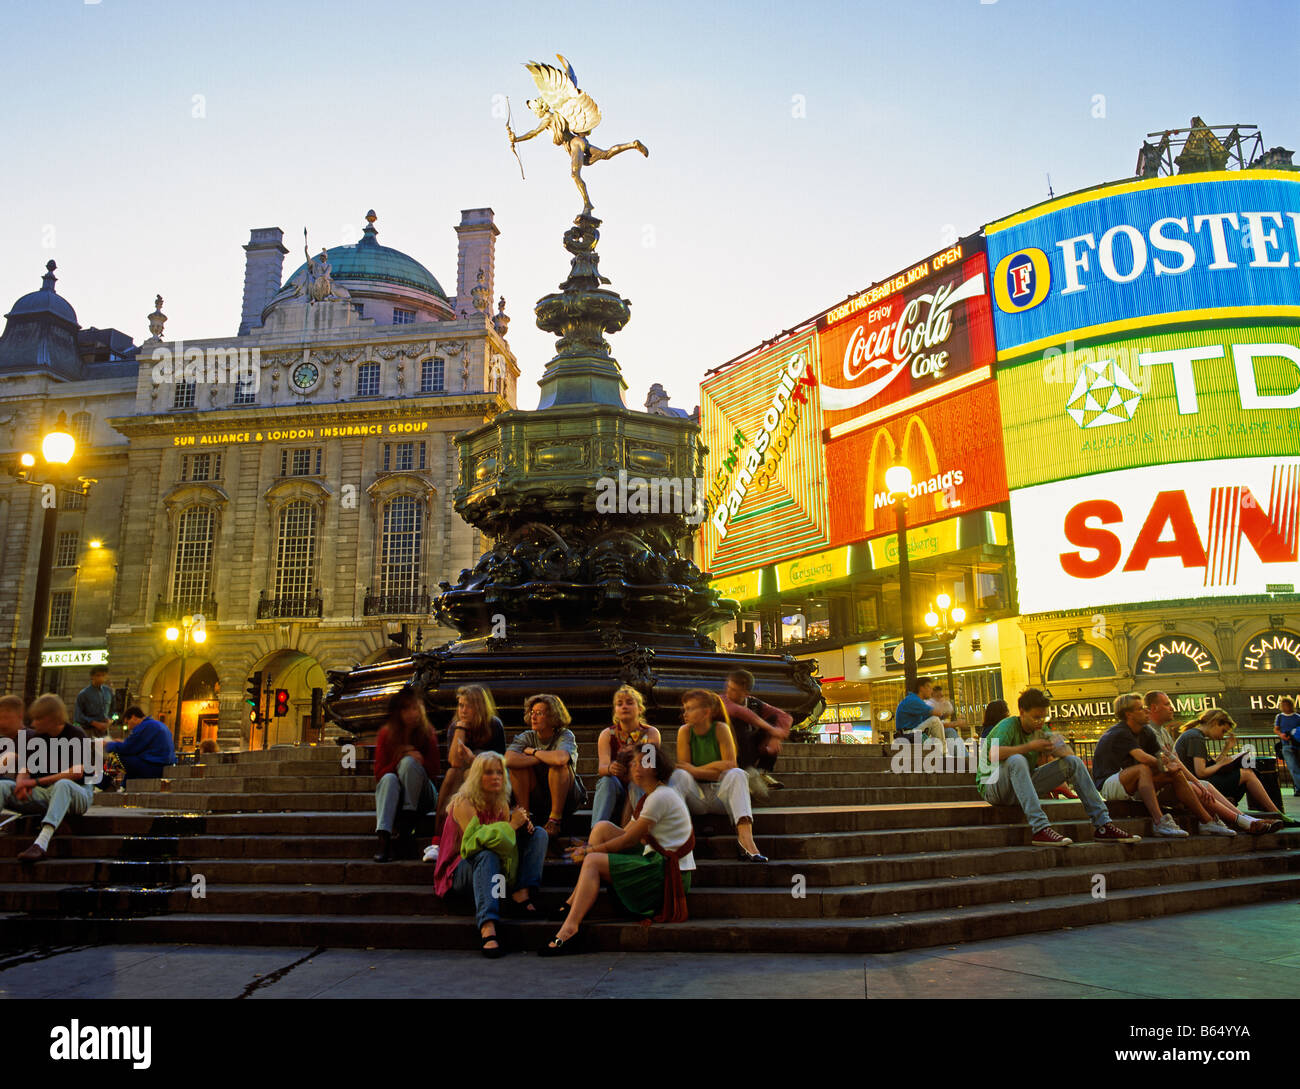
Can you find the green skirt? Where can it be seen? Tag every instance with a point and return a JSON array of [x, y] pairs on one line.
[[638, 880]]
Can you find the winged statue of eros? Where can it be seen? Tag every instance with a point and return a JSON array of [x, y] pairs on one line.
[[569, 114]]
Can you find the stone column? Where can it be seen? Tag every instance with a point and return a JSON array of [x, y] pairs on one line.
[[263, 273]]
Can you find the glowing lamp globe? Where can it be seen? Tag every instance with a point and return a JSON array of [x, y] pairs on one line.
[[958, 615], [58, 447], [898, 479], [199, 636], [931, 620], [173, 634], [27, 460], [943, 601]]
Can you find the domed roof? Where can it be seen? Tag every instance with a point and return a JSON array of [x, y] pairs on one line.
[[368, 260], [45, 301]]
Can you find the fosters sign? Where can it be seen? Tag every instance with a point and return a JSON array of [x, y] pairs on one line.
[[1195, 247], [906, 341], [1188, 396], [1170, 532]]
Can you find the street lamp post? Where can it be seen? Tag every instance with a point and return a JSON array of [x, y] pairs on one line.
[[945, 623], [57, 449], [192, 629], [898, 479]]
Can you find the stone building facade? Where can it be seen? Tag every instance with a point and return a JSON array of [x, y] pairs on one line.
[[291, 485]]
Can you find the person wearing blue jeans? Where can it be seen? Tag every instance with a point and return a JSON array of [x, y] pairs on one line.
[[616, 748], [482, 876], [1287, 726], [409, 788], [1010, 773]]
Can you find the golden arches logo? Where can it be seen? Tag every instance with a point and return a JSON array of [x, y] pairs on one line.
[[916, 436]]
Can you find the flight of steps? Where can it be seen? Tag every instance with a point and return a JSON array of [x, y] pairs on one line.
[[274, 848]]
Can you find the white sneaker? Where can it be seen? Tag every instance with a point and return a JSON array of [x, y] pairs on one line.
[[1216, 827], [431, 853], [1166, 827]]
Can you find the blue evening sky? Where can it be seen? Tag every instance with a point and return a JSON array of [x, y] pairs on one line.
[[798, 152]]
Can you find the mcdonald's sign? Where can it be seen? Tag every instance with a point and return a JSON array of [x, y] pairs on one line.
[[953, 448]]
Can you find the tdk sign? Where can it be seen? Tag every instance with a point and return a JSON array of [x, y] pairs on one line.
[[1191, 248]]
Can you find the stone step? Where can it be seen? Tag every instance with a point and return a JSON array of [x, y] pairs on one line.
[[880, 934], [357, 801], [85, 862]]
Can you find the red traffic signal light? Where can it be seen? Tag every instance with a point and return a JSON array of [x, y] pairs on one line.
[[281, 702]]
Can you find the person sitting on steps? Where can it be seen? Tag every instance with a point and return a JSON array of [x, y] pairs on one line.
[[616, 748], [475, 729], [707, 777], [487, 849], [915, 719], [1127, 764], [406, 763], [648, 863], [1227, 774], [543, 762], [759, 728], [1012, 772]]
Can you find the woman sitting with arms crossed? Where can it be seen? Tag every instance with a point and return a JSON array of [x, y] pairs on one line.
[[482, 841], [406, 763], [648, 880], [618, 747], [475, 729]]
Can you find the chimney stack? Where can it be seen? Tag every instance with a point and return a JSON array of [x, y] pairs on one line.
[[477, 250], [263, 273]]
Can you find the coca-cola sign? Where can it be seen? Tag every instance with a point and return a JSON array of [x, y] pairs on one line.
[[906, 339]]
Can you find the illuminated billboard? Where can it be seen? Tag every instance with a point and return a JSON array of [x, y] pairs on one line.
[[1197, 247], [922, 334], [953, 447], [765, 471], [1167, 532], [1153, 400]]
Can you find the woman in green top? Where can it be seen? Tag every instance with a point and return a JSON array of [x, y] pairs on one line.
[[707, 777]]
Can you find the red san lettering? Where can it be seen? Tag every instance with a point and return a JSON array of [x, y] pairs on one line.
[[1169, 509], [1106, 544]]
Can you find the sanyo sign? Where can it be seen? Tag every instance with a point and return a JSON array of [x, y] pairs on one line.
[[1168, 532], [1192, 247]]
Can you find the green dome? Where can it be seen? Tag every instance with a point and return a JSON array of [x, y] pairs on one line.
[[368, 260]]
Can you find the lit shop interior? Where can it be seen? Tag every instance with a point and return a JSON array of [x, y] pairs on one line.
[[843, 608]]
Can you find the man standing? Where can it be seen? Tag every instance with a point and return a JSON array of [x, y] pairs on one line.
[[94, 707], [52, 776], [1128, 765], [760, 728], [1010, 773], [148, 747], [1287, 726]]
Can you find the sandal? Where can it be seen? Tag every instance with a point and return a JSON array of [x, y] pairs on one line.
[[492, 954], [553, 827], [559, 947], [524, 909], [559, 914]]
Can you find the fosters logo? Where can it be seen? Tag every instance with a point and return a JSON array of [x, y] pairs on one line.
[[1191, 247]]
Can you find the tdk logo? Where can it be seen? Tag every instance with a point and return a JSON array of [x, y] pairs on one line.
[[1021, 280]]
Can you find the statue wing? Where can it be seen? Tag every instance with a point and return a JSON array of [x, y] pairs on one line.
[[557, 89]]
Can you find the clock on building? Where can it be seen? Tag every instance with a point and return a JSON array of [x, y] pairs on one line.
[[305, 375]]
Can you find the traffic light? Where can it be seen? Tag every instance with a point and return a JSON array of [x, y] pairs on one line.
[[253, 697], [281, 702]]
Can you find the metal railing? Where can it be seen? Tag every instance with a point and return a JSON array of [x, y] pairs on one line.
[[165, 611], [403, 603], [298, 606]]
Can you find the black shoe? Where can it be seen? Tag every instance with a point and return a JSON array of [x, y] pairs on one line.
[[523, 909], [560, 947], [385, 847], [493, 954], [745, 856], [559, 914]]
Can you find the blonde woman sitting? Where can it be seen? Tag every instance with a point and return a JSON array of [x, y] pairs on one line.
[[474, 730], [486, 847], [617, 748]]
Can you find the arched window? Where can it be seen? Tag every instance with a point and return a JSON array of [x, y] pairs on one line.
[[295, 552], [82, 426], [193, 566], [399, 571], [1080, 662]]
